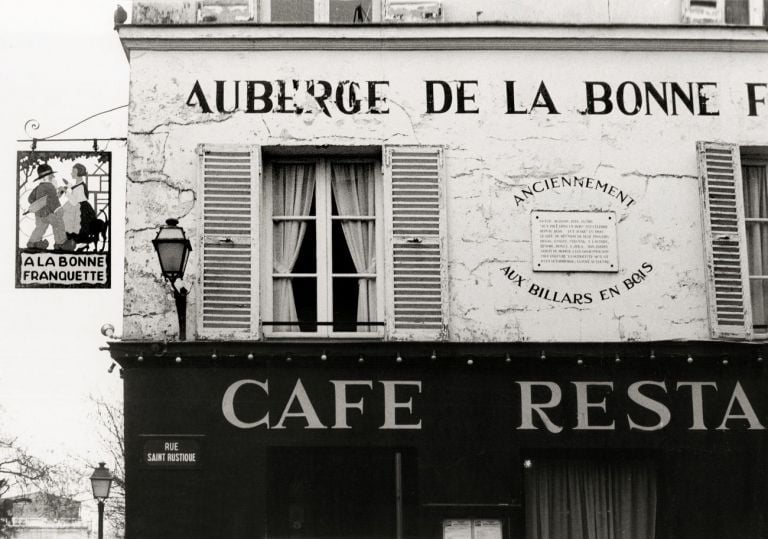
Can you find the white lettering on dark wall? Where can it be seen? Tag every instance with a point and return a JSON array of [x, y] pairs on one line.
[[593, 406], [397, 405], [592, 411]]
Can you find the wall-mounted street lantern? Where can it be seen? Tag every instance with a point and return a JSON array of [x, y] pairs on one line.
[[173, 250], [101, 481]]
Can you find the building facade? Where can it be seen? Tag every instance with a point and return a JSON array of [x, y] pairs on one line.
[[496, 273]]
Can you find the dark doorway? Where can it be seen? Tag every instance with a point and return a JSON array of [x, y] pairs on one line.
[[338, 493]]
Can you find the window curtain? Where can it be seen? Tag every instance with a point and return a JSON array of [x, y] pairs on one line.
[[570, 499], [756, 205], [353, 188], [293, 190]]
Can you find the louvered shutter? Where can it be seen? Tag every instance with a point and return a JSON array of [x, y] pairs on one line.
[[229, 282], [725, 240], [417, 297]]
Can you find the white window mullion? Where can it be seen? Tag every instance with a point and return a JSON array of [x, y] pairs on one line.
[[267, 263], [381, 203], [324, 247]]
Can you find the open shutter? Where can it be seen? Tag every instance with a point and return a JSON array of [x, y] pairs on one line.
[[229, 276], [417, 285], [725, 240]]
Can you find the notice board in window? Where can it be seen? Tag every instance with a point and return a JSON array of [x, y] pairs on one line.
[[472, 529]]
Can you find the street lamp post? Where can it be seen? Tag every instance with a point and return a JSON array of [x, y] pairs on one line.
[[101, 481], [173, 250]]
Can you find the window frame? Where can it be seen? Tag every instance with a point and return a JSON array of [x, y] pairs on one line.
[[321, 12], [323, 239], [756, 13], [755, 157]]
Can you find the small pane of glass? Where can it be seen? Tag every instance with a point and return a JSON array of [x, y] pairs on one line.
[[294, 247], [293, 189], [295, 303], [350, 11], [354, 300], [342, 260], [353, 190], [755, 191], [292, 10], [758, 289]]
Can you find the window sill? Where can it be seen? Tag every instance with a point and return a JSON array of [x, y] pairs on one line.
[[284, 336]]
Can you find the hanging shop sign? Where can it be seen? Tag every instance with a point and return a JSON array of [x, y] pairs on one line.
[[63, 219]]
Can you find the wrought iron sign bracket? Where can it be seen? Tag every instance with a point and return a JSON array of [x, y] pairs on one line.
[[32, 125]]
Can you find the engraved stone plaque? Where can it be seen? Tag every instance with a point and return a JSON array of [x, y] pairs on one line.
[[574, 241]]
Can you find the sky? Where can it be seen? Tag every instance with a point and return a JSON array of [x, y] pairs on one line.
[[61, 62]]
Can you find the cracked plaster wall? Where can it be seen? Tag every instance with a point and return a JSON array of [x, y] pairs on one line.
[[489, 157]]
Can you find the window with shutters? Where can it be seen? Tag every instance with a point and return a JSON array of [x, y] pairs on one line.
[[324, 244], [349, 242], [735, 194]]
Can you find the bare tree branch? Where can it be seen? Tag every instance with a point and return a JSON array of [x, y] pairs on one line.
[[109, 415]]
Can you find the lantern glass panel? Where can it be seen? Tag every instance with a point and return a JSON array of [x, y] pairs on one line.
[[101, 481], [171, 233], [172, 256]]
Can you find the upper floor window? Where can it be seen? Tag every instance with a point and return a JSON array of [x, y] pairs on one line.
[[325, 243], [345, 242], [724, 11], [322, 11], [753, 174], [735, 193]]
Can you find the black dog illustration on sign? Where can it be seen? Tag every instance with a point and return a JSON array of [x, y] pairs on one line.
[[82, 224]]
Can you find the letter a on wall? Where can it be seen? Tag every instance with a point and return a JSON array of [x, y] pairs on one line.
[[63, 211]]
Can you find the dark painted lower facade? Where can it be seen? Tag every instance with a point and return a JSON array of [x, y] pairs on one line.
[[458, 441]]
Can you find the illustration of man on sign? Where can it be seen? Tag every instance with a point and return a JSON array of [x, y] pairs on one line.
[[44, 203], [63, 232]]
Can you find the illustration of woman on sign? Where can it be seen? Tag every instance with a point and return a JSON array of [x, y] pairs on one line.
[[79, 215]]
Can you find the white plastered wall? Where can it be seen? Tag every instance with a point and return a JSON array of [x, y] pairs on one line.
[[490, 157]]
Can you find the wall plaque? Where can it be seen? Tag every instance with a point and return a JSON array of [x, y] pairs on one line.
[[171, 452], [574, 241]]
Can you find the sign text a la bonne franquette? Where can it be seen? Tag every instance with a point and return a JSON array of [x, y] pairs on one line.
[[628, 98]]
